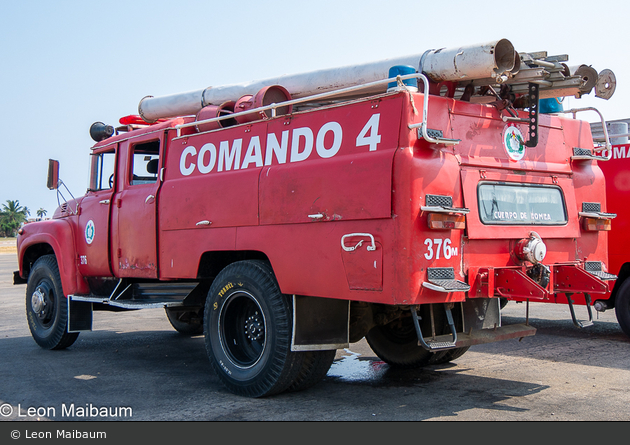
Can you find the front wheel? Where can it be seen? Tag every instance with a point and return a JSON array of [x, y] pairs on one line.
[[247, 329], [622, 307], [47, 307]]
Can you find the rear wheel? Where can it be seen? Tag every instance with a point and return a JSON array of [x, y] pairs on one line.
[[47, 307], [396, 343], [247, 328], [314, 368], [622, 307], [451, 354]]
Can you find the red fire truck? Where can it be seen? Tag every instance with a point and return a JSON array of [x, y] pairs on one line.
[[286, 218], [617, 174]]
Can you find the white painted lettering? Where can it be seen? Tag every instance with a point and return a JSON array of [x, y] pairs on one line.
[[186, 171], [212, 151], [337, 131], [374, 138], [280, 149], [293, 146], [230, 158], [619, 152], [254, 153], [298, 133]]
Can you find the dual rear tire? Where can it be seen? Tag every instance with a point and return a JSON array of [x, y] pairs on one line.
[[248, 324], [396, 343]]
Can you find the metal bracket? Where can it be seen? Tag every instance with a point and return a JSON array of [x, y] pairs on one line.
[[532, 140]]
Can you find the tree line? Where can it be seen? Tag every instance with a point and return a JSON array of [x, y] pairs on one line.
[[13, 215]]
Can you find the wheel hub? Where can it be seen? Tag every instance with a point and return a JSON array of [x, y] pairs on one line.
[[38, 301], [254, 327]]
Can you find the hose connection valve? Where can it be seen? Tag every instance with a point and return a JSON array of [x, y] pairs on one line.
[[531, 249]]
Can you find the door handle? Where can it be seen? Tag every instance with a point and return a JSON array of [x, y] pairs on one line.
[[149, 198], [104, 201]]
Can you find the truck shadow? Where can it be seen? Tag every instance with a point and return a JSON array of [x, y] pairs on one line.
[[164, 375]]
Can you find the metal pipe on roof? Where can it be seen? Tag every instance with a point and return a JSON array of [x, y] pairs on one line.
[[496, 60]]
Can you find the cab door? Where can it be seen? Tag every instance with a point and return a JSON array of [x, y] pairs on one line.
[[92, 237], [134, 208]]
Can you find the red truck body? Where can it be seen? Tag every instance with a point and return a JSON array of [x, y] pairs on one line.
[[283, 238], [617, 174]]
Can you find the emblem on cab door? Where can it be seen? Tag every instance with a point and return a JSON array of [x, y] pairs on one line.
[[89, 232]]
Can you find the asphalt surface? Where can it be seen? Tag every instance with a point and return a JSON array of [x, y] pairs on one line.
[[136, 367]]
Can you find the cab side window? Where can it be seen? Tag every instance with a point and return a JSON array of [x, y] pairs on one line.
[[102, 170], [145, 163]]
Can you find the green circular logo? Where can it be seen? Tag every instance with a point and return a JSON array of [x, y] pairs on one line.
[[89, 232], [514, 143]]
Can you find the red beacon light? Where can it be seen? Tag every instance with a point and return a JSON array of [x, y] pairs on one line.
[[135, 119]]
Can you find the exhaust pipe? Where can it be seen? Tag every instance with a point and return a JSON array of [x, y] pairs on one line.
[[497, 60]]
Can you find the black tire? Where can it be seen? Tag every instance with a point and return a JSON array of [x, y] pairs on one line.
[[247, 329], [503, 302], [186, 323], [314, 368], [451, 354], [622, 307], [47, 306], [396, 343]]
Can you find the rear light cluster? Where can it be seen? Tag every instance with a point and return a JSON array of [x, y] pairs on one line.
[[441, 215], [593, 219], [446, 222], [596, 224]]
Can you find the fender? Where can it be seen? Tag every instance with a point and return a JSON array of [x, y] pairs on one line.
[[37, 239]]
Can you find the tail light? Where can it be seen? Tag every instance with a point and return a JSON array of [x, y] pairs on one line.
[[444, 221], [596, 224]]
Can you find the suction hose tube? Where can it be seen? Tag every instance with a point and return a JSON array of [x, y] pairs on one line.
[[495, 59]]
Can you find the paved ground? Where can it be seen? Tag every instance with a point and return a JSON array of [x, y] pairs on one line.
[[136, 360]]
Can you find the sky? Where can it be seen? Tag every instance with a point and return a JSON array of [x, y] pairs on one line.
[[66, 64]]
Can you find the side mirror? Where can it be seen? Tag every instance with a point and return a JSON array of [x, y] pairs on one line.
[[53, 174]]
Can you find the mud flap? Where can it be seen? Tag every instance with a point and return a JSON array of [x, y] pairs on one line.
[[320, 324], [79, 316]]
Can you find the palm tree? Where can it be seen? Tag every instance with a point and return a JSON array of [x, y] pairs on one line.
[[12, 216], [41, 213]]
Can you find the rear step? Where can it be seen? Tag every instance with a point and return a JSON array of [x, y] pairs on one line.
[[473, 337], [435, 345], [442, 279], [581, 324]]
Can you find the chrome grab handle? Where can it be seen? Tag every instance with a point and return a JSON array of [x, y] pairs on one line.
[[350, 249]]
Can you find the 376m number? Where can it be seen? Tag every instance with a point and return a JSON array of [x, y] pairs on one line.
[[439, 246]]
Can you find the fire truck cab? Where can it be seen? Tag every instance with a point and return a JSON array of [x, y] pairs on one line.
[[398, 201]]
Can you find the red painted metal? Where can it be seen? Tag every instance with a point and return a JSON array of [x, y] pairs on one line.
[[572, 279], [269, 95]]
